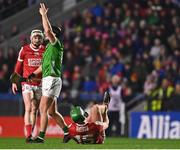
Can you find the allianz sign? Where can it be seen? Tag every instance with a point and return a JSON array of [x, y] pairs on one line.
[[150, 125]]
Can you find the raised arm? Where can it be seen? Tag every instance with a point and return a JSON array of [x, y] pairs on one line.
[[105, 119], [46, 24]]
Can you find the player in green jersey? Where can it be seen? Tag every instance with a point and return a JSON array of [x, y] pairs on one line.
[[51, 73]]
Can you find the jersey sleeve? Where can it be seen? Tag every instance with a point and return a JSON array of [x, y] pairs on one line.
[[58, 44], [72, 130], [18, 67], [21, 55]]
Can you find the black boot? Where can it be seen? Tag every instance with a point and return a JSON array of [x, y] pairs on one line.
[[66, 138], [37, 140], [29, 139]]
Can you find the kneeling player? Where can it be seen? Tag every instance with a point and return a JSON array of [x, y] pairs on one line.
[[89, 129]]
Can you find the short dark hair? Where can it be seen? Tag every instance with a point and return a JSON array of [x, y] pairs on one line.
[[57, 31]]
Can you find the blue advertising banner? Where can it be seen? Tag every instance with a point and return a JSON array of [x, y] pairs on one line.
[[152, 125]]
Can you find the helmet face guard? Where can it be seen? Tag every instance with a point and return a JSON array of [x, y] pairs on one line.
[[78, 114]]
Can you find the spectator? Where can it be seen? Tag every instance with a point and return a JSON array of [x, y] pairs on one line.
[[89, 85], [97, 10], [116, 108], [155, 50], [174, 102], [128, 38], [165, 92], [149, 84], [174, 39]]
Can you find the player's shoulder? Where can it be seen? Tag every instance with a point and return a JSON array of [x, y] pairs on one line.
[[57, 43], [25, 47]]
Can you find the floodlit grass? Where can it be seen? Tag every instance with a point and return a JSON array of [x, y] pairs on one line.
[[110, 143]]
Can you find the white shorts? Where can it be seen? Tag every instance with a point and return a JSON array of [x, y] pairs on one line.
[[34, 90], [51, 86]]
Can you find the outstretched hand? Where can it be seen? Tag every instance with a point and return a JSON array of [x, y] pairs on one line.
[[43, 10]]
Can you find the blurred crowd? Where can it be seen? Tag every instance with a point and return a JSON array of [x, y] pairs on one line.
[[9, 8], [137, 40]]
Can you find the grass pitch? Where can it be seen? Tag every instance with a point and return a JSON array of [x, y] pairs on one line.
[[110, 143]]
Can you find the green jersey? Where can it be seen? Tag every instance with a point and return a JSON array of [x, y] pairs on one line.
[[52, 59]]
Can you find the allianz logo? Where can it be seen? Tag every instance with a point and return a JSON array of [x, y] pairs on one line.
[[158, 126]]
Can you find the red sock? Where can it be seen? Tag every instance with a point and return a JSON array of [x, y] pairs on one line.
[[28, 129]]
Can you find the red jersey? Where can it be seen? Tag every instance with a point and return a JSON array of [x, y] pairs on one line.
[[91, 133], [31, 59]]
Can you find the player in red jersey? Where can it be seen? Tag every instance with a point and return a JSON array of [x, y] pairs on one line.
[[28, 61], [89, 129]]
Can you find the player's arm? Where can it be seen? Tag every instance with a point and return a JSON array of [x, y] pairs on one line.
[[18, 68], [19, 64], [46, 24], [38, 70], [103, 125], [106, 122], [33, 76]]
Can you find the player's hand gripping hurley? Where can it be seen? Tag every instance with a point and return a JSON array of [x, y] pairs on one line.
[[16, 78]]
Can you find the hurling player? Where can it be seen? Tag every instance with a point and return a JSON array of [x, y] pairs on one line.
[[29, 59]]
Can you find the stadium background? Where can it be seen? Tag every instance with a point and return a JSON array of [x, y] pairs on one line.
[[135, 39]]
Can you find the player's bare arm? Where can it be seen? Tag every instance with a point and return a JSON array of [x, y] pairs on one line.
[[105, 121], [33, 76], [38, 70], [46, 24], [14, 88], [17, 70]]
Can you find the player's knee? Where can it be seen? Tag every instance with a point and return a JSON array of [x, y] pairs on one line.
[[27, 108], [33, 110]]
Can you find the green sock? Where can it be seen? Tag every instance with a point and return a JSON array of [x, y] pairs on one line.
[[41, 134], [65, 129]]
